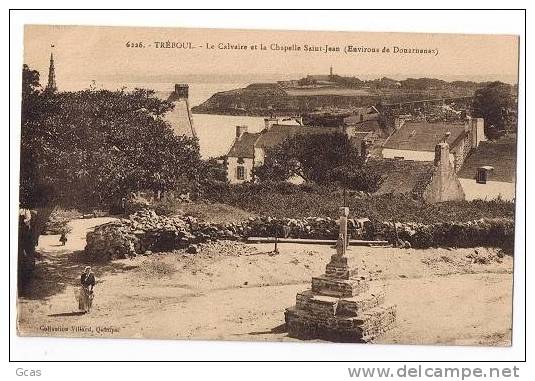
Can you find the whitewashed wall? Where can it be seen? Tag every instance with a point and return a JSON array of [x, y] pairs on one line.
[[232, 165], [389, 153], [489, 191]]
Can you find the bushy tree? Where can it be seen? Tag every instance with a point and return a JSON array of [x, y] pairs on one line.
[[496, 104], [94, 147], [319, 158]]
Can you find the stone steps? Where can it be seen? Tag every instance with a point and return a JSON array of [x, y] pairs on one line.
[[362, 328]]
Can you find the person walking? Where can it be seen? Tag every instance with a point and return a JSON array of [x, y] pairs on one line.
[[87, 282], [63, 238]]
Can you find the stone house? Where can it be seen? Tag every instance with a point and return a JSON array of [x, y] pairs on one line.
[[416, 140]]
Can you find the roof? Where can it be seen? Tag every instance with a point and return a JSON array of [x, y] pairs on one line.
[[244, 147], [424, 136], [402, 176], [499, 154], [280, 132]]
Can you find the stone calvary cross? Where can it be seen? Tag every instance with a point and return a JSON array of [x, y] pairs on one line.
[[340, 306], [341, 244]]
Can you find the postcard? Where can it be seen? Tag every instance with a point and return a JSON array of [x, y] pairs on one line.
[[267, 185]]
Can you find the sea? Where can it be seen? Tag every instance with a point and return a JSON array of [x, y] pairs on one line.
[[215, 132]]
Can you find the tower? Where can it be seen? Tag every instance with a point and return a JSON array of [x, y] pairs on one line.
[[331, 72], [51, 85]]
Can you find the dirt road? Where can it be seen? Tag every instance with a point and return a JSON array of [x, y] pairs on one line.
[[235, 291]]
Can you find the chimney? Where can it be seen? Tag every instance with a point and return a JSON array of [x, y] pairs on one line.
[[477, 131], [269, 122], [240, 130], [182, 90]]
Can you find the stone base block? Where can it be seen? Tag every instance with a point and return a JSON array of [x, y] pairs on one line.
[[337, 271], [319, 305], [356, 305], [363, 328], [331, 306], [340, 288]]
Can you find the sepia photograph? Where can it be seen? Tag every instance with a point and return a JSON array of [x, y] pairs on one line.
[[267, 185]]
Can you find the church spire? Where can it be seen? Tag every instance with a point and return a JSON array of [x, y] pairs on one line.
[[51, 86]]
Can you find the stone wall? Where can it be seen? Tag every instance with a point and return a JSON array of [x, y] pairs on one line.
[[492, 232], [145, 231]]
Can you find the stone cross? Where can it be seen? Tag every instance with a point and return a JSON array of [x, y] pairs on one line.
[[341, 244]]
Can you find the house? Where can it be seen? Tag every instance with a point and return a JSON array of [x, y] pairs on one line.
[[180, 117], [489, 171], [249, 149], [241, 156], [417, 140]]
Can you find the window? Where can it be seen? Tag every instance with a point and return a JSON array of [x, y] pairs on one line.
[[240, 172]]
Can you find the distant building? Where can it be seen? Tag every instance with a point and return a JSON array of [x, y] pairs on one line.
[[418, 140], [180, 117], [490, 171]]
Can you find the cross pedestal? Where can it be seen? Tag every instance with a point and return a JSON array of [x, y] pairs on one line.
[[339, 307]]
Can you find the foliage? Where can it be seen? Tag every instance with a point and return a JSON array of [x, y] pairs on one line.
[[496, 104], [58, 221], [94, 147], [319, 158], [296, 201]]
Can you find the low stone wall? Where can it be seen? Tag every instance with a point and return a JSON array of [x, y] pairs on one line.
[[311, 227], [493, 232], [145, 231]]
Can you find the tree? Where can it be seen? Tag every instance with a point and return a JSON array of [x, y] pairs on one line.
[[320, 158], [496, 104], [91, 148], [33, 193]]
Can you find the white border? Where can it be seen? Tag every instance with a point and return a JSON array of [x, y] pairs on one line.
[[495, 22]]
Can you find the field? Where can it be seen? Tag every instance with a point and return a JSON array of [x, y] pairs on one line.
[[235, 291]]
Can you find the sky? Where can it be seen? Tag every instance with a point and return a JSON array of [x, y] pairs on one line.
[[84, 53]]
